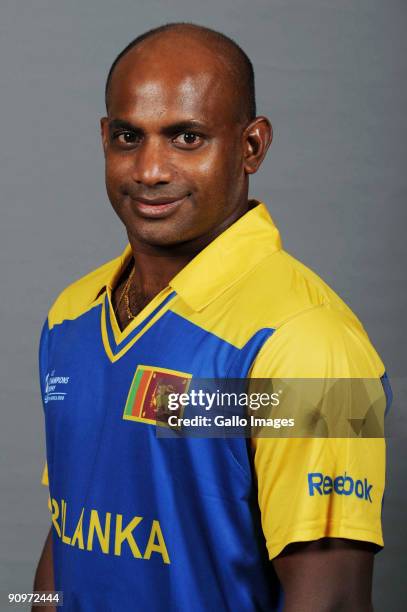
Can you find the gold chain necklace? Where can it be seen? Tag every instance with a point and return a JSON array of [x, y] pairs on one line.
[[125, 294]]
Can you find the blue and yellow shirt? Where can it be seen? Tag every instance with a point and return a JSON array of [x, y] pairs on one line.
[[148, 523]]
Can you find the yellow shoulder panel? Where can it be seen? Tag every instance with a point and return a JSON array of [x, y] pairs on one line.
[[322, 342], [80, 296], [278, 289]]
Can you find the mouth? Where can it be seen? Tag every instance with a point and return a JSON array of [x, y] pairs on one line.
[[159, 208]]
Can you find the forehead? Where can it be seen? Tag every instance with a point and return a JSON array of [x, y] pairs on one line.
[[166, 81]]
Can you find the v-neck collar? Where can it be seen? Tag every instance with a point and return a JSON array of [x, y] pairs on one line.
[[229, 257], [117, 341]]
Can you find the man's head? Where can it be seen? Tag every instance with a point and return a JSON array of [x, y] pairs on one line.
[[181, 126]]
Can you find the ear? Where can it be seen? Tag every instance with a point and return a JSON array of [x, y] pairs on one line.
[[257, 136], [104, 132]]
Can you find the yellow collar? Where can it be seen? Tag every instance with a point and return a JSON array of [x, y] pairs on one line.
[[224, 261]]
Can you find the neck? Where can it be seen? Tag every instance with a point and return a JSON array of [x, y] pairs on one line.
[[156, 265]]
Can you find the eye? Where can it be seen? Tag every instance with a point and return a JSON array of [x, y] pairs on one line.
[[126, 137], [188, 139]]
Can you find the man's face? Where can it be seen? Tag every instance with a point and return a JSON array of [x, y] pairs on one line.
[[173, 146]]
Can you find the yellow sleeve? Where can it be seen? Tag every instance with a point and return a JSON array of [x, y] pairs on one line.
[[315, 487], [44, 479]]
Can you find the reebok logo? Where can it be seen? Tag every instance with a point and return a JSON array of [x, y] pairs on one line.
[[339, 485]]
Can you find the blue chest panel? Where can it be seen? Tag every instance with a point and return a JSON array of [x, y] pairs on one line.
[[132, 508]]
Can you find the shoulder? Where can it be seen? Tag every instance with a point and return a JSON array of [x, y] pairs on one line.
[[81, 295], [320, 342], [314, 332], [281, 287]]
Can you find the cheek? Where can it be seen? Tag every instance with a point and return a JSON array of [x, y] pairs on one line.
[[212, 169], [116, 168], [114, 176]]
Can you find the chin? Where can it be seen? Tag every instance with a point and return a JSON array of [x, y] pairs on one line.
[[158, 235]]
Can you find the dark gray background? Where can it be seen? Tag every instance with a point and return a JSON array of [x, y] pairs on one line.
[[331, 75]]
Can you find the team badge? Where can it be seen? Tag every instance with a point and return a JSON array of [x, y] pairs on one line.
[[147, 400]]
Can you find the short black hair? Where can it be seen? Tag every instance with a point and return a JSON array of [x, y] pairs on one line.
[[239, 61]]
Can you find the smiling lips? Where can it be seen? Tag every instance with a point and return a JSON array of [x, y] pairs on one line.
[[157, 208]]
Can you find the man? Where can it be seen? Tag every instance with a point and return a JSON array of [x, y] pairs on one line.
[[203, 289]]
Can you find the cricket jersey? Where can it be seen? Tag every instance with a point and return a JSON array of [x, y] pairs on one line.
[[142, 522]]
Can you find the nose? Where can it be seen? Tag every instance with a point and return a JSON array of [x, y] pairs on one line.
[[151, 165]]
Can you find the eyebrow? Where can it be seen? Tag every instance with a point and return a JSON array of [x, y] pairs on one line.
[[167, 130]]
